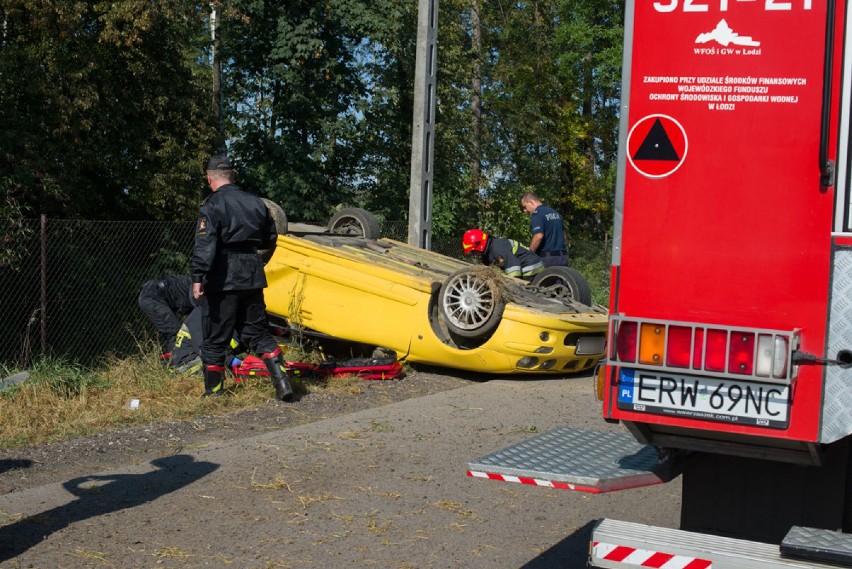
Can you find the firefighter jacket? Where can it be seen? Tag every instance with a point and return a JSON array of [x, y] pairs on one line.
[[231, 226], [515, 259], [176, 290]]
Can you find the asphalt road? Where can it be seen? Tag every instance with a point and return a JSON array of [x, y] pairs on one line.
[[382, 487]]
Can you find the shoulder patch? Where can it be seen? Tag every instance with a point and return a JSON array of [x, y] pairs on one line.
[[202, 226]]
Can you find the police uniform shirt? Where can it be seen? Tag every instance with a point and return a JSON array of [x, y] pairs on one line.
[[547, 221]]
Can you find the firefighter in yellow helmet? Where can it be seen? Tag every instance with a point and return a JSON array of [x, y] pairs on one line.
[[515, 259]]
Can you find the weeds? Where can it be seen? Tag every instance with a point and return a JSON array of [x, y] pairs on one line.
[[61, 399], [587, 260]]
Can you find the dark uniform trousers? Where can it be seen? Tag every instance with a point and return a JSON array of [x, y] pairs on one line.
[[155, 304], [554, 258], [229, 310]]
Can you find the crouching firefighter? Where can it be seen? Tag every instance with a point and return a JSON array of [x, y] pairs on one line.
[[228, 278], [164, 301]]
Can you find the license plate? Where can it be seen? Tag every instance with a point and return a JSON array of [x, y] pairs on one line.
[[588, 345], [704, 398]]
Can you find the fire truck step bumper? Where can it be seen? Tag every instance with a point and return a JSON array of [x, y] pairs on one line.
[[818, 544], [626, 545], [576, 459]]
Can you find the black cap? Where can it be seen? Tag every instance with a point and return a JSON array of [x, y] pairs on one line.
[[219, 163]]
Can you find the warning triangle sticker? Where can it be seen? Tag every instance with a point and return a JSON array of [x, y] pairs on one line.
[[657, 145]]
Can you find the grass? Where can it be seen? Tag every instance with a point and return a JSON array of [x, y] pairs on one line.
[[61, 399], [585, 258]]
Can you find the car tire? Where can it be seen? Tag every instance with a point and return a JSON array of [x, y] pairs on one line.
[[356, 222], [563, 283], [280, 220], [470, 304]]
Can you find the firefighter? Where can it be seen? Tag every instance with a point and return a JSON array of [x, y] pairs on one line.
[[165, 300], [228, 277], [547, 230], [515, 259]]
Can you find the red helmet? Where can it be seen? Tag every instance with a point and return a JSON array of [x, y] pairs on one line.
[[474, 240]]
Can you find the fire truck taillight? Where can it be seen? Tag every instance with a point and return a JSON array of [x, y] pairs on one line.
[[771, 356], [625, 341], [680, 346], [742, 353], [704, 350], [652, 344], [717, 345]]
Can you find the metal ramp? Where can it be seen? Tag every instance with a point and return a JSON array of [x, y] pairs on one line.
[[576, 459], [626, 545], [818, 545]]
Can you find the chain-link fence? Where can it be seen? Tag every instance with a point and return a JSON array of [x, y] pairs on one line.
[[69, 288]]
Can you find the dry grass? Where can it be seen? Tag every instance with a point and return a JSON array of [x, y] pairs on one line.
[[61, 400], [498, 283]]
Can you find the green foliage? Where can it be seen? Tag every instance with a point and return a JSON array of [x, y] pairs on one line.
[[589, 47], [107, 107], [592, 260], [295, 98], [65, 378], [101, 115]]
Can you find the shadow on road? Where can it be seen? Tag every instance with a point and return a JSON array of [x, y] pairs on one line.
[[102, 494], [570, 553], [14, 464], [476, 377]]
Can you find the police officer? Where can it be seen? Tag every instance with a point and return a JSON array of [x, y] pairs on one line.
[[515, 259], [164, 301], [548, 234], [227, 275]]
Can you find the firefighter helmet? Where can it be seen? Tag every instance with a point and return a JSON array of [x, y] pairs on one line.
[[474, 240]]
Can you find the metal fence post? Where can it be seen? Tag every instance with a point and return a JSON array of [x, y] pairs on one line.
[[43, 285]]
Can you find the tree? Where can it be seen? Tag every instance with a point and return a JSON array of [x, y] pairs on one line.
[[589, 40], [100, 115], [291, 87]]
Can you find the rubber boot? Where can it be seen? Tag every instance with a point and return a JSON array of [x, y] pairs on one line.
[[214, 380], [275, 364]]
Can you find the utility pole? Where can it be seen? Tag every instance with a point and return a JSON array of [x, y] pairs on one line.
[[423, 126], [217, 79]]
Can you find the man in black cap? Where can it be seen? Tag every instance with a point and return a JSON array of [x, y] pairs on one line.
[[227, 275], [164, 301]]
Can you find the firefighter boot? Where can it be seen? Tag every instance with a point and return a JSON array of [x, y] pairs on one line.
[[214, 380], [275, 364]]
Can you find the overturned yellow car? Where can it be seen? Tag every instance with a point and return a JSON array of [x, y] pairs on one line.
[[429, 308]]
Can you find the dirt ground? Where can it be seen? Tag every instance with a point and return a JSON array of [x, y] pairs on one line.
[[375, 480], [34, 466]]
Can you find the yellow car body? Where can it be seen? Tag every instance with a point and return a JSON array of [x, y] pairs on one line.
[[387, 293]]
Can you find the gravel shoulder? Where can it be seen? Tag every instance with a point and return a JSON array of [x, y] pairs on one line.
[[362, 481], [34, 466]]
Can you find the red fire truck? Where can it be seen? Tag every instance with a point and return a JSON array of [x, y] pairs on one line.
[[730, 338]]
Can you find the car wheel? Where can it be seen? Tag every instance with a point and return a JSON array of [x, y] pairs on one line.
[[280, 220], [563, 283], [356, 222], [471, 304]]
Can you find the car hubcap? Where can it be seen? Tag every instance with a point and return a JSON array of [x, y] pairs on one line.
[[469, 302]]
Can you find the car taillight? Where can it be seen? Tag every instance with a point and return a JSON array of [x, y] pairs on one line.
[[625, 341], [704, 349]]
